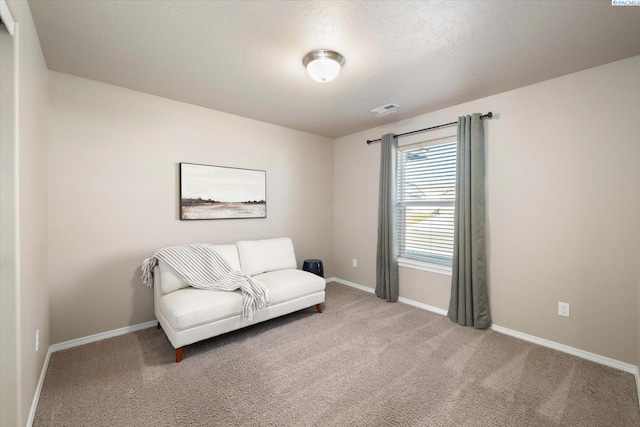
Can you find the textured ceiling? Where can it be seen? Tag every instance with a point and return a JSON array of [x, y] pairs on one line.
[[245, 57]]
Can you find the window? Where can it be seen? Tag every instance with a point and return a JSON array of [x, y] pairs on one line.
[[426, 199]]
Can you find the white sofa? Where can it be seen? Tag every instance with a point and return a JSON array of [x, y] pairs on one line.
[[188, 315]]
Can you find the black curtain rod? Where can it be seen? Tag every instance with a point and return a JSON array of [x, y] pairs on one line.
[[486, 116]]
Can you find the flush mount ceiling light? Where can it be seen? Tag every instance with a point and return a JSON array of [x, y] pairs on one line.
[[323, 65]]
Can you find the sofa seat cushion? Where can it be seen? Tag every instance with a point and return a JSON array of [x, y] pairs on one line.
[[286, 285], [189, 307]]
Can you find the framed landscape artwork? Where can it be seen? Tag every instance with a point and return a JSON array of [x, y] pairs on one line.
[[216, 192]]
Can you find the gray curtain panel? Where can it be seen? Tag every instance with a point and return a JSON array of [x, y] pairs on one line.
[[469, 304], [387, 257]]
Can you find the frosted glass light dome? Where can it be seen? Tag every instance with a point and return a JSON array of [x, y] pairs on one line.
[[323, 65]]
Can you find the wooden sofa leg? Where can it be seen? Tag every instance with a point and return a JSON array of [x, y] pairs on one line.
[[319, 308], [158, 326], [179, 354]]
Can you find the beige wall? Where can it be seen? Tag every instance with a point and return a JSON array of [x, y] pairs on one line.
[[563, 208], [28, 172], [113, 198]]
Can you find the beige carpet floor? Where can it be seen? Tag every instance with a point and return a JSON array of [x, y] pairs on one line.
[[363, 362]]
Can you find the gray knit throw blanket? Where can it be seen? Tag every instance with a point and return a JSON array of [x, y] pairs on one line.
[[202, 267]]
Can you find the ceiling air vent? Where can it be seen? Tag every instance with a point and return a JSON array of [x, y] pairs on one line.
[[385, 109]]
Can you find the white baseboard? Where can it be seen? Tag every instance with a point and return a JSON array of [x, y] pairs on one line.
[[607, 361], [75, 343], [637, 374], [427, 307], [102, 336], [613, 363], [36, 395], [352, 284], [403, 300]]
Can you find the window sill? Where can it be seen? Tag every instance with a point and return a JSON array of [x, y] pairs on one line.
[[425, 266]]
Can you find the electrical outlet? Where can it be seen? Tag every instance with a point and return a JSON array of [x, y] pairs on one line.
[[37, 340], [354, 263], [563, 309]]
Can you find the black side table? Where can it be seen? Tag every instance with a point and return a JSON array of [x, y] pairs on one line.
[[313, 266]]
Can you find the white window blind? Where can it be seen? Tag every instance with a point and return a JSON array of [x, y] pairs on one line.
[[426, 198]]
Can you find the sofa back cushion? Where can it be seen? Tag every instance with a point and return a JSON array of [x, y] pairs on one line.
[[170, 280], [262, 256], [229, 253]]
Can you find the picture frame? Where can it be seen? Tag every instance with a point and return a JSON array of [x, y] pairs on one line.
[[221, 192]]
